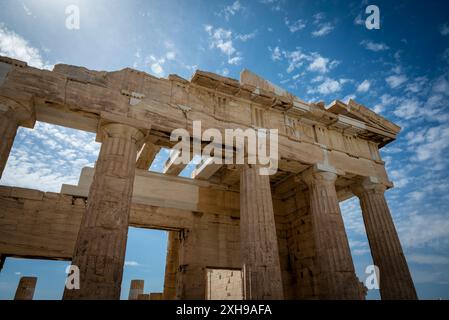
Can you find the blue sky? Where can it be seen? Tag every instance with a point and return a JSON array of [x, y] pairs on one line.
[[318, 50]]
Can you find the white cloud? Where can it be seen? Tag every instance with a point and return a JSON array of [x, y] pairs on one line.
[[418, 230], [436, 142], [358, 20], [222, 39], [408, 109], [444, 29], [297, 59], [328, 86], [317, 17], [15, 46], [156, 65], [349, 97], [320, 64], [246, 37], [275, 53], [373, 46], [416, 195], [132, 264], [235, 60], [44, 159], [385, 100], [323, 30], [296, 25], [431, 259], [364, 86], [170, 55], [399, 177], [231, 10], [395, 81], [359, 247], [417, 85], [27, 10]]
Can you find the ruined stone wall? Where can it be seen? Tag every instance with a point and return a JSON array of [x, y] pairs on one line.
[[45, 225], [296, 247], [301, 247], [38, 224], [214, 242]]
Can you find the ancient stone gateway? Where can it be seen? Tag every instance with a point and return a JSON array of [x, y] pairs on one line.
[[284, 233]]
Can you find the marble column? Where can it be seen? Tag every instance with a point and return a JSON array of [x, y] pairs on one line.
[[335, 275], [258, 239], [100, 248], [25, 289], [171, 265], [395, 281]]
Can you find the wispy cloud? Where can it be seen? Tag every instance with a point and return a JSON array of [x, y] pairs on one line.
[[395, 81], [364, 86], [296, 59], [322, 27], [247, 36], [373, 46], [228, 11], [328, 86], [444, 29], [294, 26], [222, 39]]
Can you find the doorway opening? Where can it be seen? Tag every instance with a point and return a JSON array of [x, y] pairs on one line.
[[50, 274], [145, 259]]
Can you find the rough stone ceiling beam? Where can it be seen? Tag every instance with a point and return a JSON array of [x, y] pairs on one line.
[[206, 169], [146, 156], [170, 167]]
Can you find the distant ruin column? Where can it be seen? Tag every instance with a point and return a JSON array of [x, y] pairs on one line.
[[101, 244], [336, 278], [171, 266], [136, 289], [395, 280], [258, 239], [25, 289]]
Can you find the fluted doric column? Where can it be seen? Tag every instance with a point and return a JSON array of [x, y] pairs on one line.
[[258, 239], [395, 281], [336, 277], [12, 115], [100, 248]]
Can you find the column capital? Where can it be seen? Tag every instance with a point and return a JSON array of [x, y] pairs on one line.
[[319, 174], [118, 130], [368, 185]]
